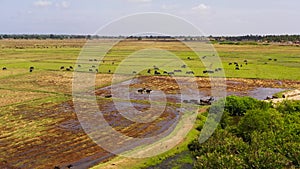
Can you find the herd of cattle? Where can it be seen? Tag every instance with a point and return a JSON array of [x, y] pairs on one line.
[[155, 70]]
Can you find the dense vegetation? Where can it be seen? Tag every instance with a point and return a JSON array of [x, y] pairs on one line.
[[252, 134]]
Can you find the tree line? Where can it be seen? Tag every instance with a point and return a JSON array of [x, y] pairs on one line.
[[256, 38]]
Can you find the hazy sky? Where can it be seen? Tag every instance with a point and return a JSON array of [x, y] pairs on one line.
[[213, 17]]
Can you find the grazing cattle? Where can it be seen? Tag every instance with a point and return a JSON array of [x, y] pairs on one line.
[[245, 61], [203, 57], [134, 72], [79, 65], [113, 63], [97, 70], [206, 102], [103, 61], [148, 91], [266, 63], [71, 67], [90, 70], [220, 69], [236, 63], [274, 97], [177, 71], [208, 71], [156, 68], [190, 72], [149, 71], [90, 60], [237, 68], [56, 167], [70, 166], [268, 98], [171, 73], [109, 71], [141, 90], [189, 58], [275, 60], [108, 96], [31, 67], [93, 66], [270, 59], [183, 66], [62, 67], [165, 72], [4, 68], [68, 69], [30, 70], [230, 63], [241, 65], [95, 60], [156, 72]]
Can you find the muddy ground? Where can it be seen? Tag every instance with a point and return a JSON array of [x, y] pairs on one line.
[[63, 141]]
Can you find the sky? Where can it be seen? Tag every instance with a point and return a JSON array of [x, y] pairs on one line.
[[212, 17]]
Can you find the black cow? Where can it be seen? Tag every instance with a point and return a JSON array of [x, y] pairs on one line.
[[190, 72], [134, 72], [108, 96], [68, 69], [237, 68], [203, 57], [245, 61], [177, 70], [90, 70], [156, 72], [4, 68], [93, 66], [79, 65], [141, 90], [171, 73], [109, 71], [62, 67], [183, 66], [189, 58], [230, 63], [31, 67], [71, 67], [165, 72], [149, 71], [148, 91]]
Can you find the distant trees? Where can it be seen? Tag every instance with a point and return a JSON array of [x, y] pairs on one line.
[[252, 134]]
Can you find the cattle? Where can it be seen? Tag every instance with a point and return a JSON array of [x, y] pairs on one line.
[[93, 66], [177, 71], [108, 96], [90, 60], [149, 71], [171, 73], [220, 69], [208, 71], [70, 166], [133, 72], [156, 68], [90, 70], [71, 67], [189, 58], [141, 90], [109, 71], [31, 67], [190, 72], [148, 91], [156, 72], [241, 65], [268, 98], [203, 57], [230, 63], [206, 102], [183, 66], [216, 70], [4, 68], [97, 70], [95, 60], [245, 61], [165, 72], [275, 60], [68, 69], [79, 65], [30, 70], [236, 63], [270, 59], [237, 68], [56, 167], [113, 63], [62, 67]]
